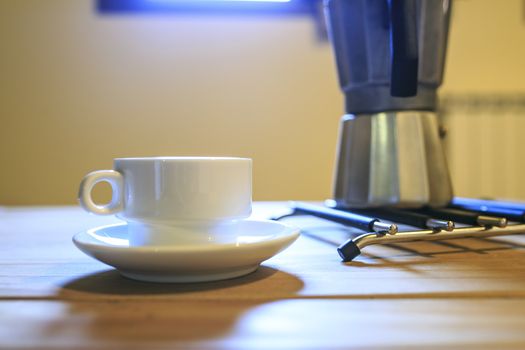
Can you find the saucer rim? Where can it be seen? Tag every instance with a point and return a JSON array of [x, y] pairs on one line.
[[288, 232]]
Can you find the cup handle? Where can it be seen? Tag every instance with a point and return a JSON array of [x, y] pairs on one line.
[[115, 179]]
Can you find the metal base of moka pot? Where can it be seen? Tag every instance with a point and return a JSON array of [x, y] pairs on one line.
[[391, 159]]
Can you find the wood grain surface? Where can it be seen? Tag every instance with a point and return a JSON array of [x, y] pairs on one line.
[[467, 293]]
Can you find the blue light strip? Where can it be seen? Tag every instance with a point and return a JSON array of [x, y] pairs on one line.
[[207, 7], [175, 1]]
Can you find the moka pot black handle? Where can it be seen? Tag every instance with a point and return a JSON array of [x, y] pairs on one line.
[[404, 48]]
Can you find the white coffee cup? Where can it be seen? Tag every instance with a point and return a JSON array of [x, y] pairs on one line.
[[174, 199]]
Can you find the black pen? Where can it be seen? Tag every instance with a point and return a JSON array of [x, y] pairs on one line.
[[510, 214], [409, 218], [465, 217], [362, 222]]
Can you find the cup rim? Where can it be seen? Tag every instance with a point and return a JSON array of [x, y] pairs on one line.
[[182, 158]]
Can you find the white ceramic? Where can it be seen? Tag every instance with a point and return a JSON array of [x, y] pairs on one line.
[[248, 243], [156, 195]]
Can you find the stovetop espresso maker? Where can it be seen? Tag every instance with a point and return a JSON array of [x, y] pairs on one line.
[[390, 56]]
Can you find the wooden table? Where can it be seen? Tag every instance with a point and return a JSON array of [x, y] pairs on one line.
[[467, 293]]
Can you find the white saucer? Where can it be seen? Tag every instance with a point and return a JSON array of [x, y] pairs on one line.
[[256, 241]]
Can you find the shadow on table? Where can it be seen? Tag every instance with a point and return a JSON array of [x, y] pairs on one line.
[[139, 313], [112, 283]]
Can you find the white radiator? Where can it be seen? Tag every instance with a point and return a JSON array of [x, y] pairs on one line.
[[485, 145]]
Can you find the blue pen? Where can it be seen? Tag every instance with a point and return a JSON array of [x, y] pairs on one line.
[[473, 202]]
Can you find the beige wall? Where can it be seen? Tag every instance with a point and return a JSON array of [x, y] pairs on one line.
[[486, 47], [79, 89]]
